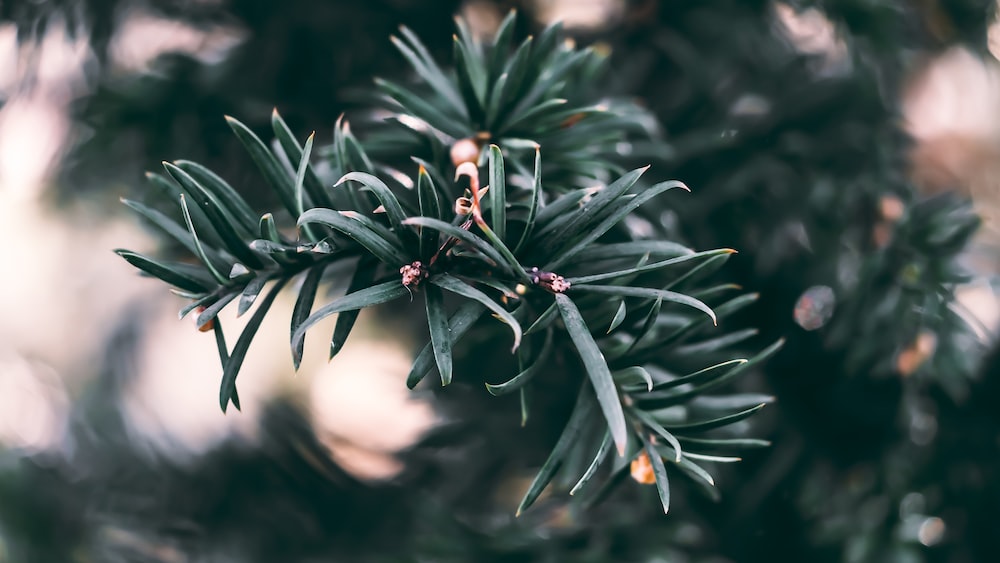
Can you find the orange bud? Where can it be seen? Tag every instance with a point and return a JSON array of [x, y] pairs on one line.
[[909, 360], [642, 469], [210, 325]]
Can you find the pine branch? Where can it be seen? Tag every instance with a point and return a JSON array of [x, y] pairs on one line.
[[563, 276]]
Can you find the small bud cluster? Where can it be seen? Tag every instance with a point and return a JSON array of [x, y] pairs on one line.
[[414, 273], [549, 280]]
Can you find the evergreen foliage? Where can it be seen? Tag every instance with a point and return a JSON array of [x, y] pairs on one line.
[[589, 269], [854, 266], [556, 266]]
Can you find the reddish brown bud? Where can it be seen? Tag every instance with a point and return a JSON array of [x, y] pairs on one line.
[[549, 280], [414, 273]]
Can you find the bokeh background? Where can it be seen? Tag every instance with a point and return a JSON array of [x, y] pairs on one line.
[[112, 446]]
